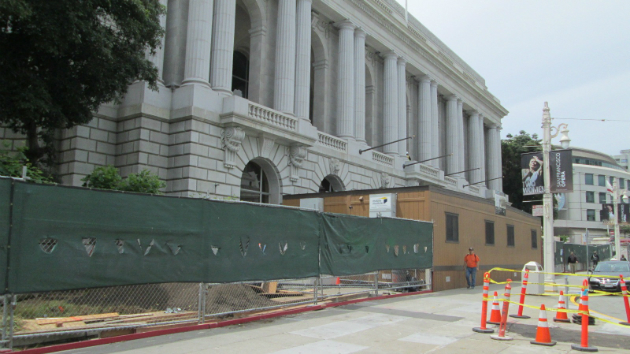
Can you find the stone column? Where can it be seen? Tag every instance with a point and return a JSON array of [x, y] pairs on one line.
[[390, 103], [474, 146], [494, 156], [359, 84], [435, 129], [497, 171], [284, 85], [197, 67], [223, 46], [402, 106], [345, 82], [158, 57], [461, 151], [425, 133], [303, 59], [482, 150], [452, 137]]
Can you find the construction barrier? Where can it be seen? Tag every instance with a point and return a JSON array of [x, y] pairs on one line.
[[484, 306], [504, 313], [523, 291], [583, 347]]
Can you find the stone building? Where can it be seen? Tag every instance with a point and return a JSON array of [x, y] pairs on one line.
[[263, 98]]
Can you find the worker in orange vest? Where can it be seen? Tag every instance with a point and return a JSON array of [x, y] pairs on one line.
[[471, 263]]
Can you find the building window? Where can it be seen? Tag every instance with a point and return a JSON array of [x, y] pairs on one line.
[[601, 180], [534, 239], [452, 227], [489, 232], [590, 214], [602, 198], [510, 235], [588, 179], [254, 184], [612, 180], [240, 74], [590, 197], [622, 183]]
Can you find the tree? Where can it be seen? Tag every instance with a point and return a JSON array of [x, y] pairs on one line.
[[62, 59], [511, 150], [12, 162]]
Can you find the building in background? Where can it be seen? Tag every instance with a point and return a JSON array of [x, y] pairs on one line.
[[623, 158], [588, 206], [263, 98]]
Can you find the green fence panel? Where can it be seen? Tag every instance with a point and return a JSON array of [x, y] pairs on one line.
[[354, 245], [68, 238], [5, 222], [558, 254], [257, 242]]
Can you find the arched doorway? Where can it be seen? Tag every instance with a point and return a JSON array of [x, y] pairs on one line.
[[260, 183], [331, 184]]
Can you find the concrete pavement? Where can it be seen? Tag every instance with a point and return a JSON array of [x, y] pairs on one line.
[[438, 322]]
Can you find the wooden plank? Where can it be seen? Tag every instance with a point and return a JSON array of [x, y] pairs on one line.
[[270, 287], [45, 321]]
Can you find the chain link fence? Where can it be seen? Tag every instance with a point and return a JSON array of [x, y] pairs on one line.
[[62, 316]]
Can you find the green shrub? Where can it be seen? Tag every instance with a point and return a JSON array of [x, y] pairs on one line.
[[143, 182], [104, 177], [11, 163]]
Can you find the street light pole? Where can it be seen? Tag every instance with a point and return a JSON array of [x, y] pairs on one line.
[[616, 194], [548, 197]]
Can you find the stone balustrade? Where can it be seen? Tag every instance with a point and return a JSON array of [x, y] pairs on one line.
[[332, 142], [272, 117], [382, 158]]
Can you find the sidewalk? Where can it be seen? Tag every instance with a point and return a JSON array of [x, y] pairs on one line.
[[439, 322]]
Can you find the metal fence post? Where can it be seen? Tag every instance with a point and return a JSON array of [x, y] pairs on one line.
[[201, 308], [13, 299], [315, 290], [376, 283]]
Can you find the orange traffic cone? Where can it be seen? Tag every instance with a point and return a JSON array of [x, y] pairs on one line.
[[495, 313], [561, 316], [543, 337], [338, 281]]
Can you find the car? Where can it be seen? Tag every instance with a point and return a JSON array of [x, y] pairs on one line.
[[598, 279]]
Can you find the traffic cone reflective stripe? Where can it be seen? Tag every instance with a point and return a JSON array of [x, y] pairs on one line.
[[495, 313], [583, 347], [561, 316], [484, 306], [543, 336]]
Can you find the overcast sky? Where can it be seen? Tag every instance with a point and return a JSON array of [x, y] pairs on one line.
[[575, 54]]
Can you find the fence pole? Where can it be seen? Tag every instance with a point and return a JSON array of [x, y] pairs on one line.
[[376, 283], [13, 299], [201, 307], [315, 290], [4, 317]]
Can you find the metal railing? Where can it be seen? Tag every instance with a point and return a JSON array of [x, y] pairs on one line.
[[40, 318]]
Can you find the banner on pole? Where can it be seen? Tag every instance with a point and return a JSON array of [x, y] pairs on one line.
[[532, 173], [561, 168]]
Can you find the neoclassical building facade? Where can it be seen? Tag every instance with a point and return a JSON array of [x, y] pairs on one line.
[[262, 98]]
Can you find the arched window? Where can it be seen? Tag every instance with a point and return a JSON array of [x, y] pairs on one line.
[[240, 73], [254, 184], [331, 184]]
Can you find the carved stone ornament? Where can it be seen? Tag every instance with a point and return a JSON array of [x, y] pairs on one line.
[[232, 140], [385, 180], [335, 166], [297, 154]]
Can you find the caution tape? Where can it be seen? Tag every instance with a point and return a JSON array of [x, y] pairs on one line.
[[596, 293]]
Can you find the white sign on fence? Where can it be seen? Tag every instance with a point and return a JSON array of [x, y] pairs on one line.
[[537, 210]]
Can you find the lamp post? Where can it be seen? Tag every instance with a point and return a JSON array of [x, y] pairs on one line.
[[547, 196], [616, 194]]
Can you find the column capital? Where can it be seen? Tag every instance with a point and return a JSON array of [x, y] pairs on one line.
[[452, 98], [389, 55], [402, 61], [358, 32], [424, 78], [345, 24], [474, 113], [434, 83], [307, 1], [258, 31]]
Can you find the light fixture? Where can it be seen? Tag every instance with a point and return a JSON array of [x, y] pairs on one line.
[[564, 139]]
